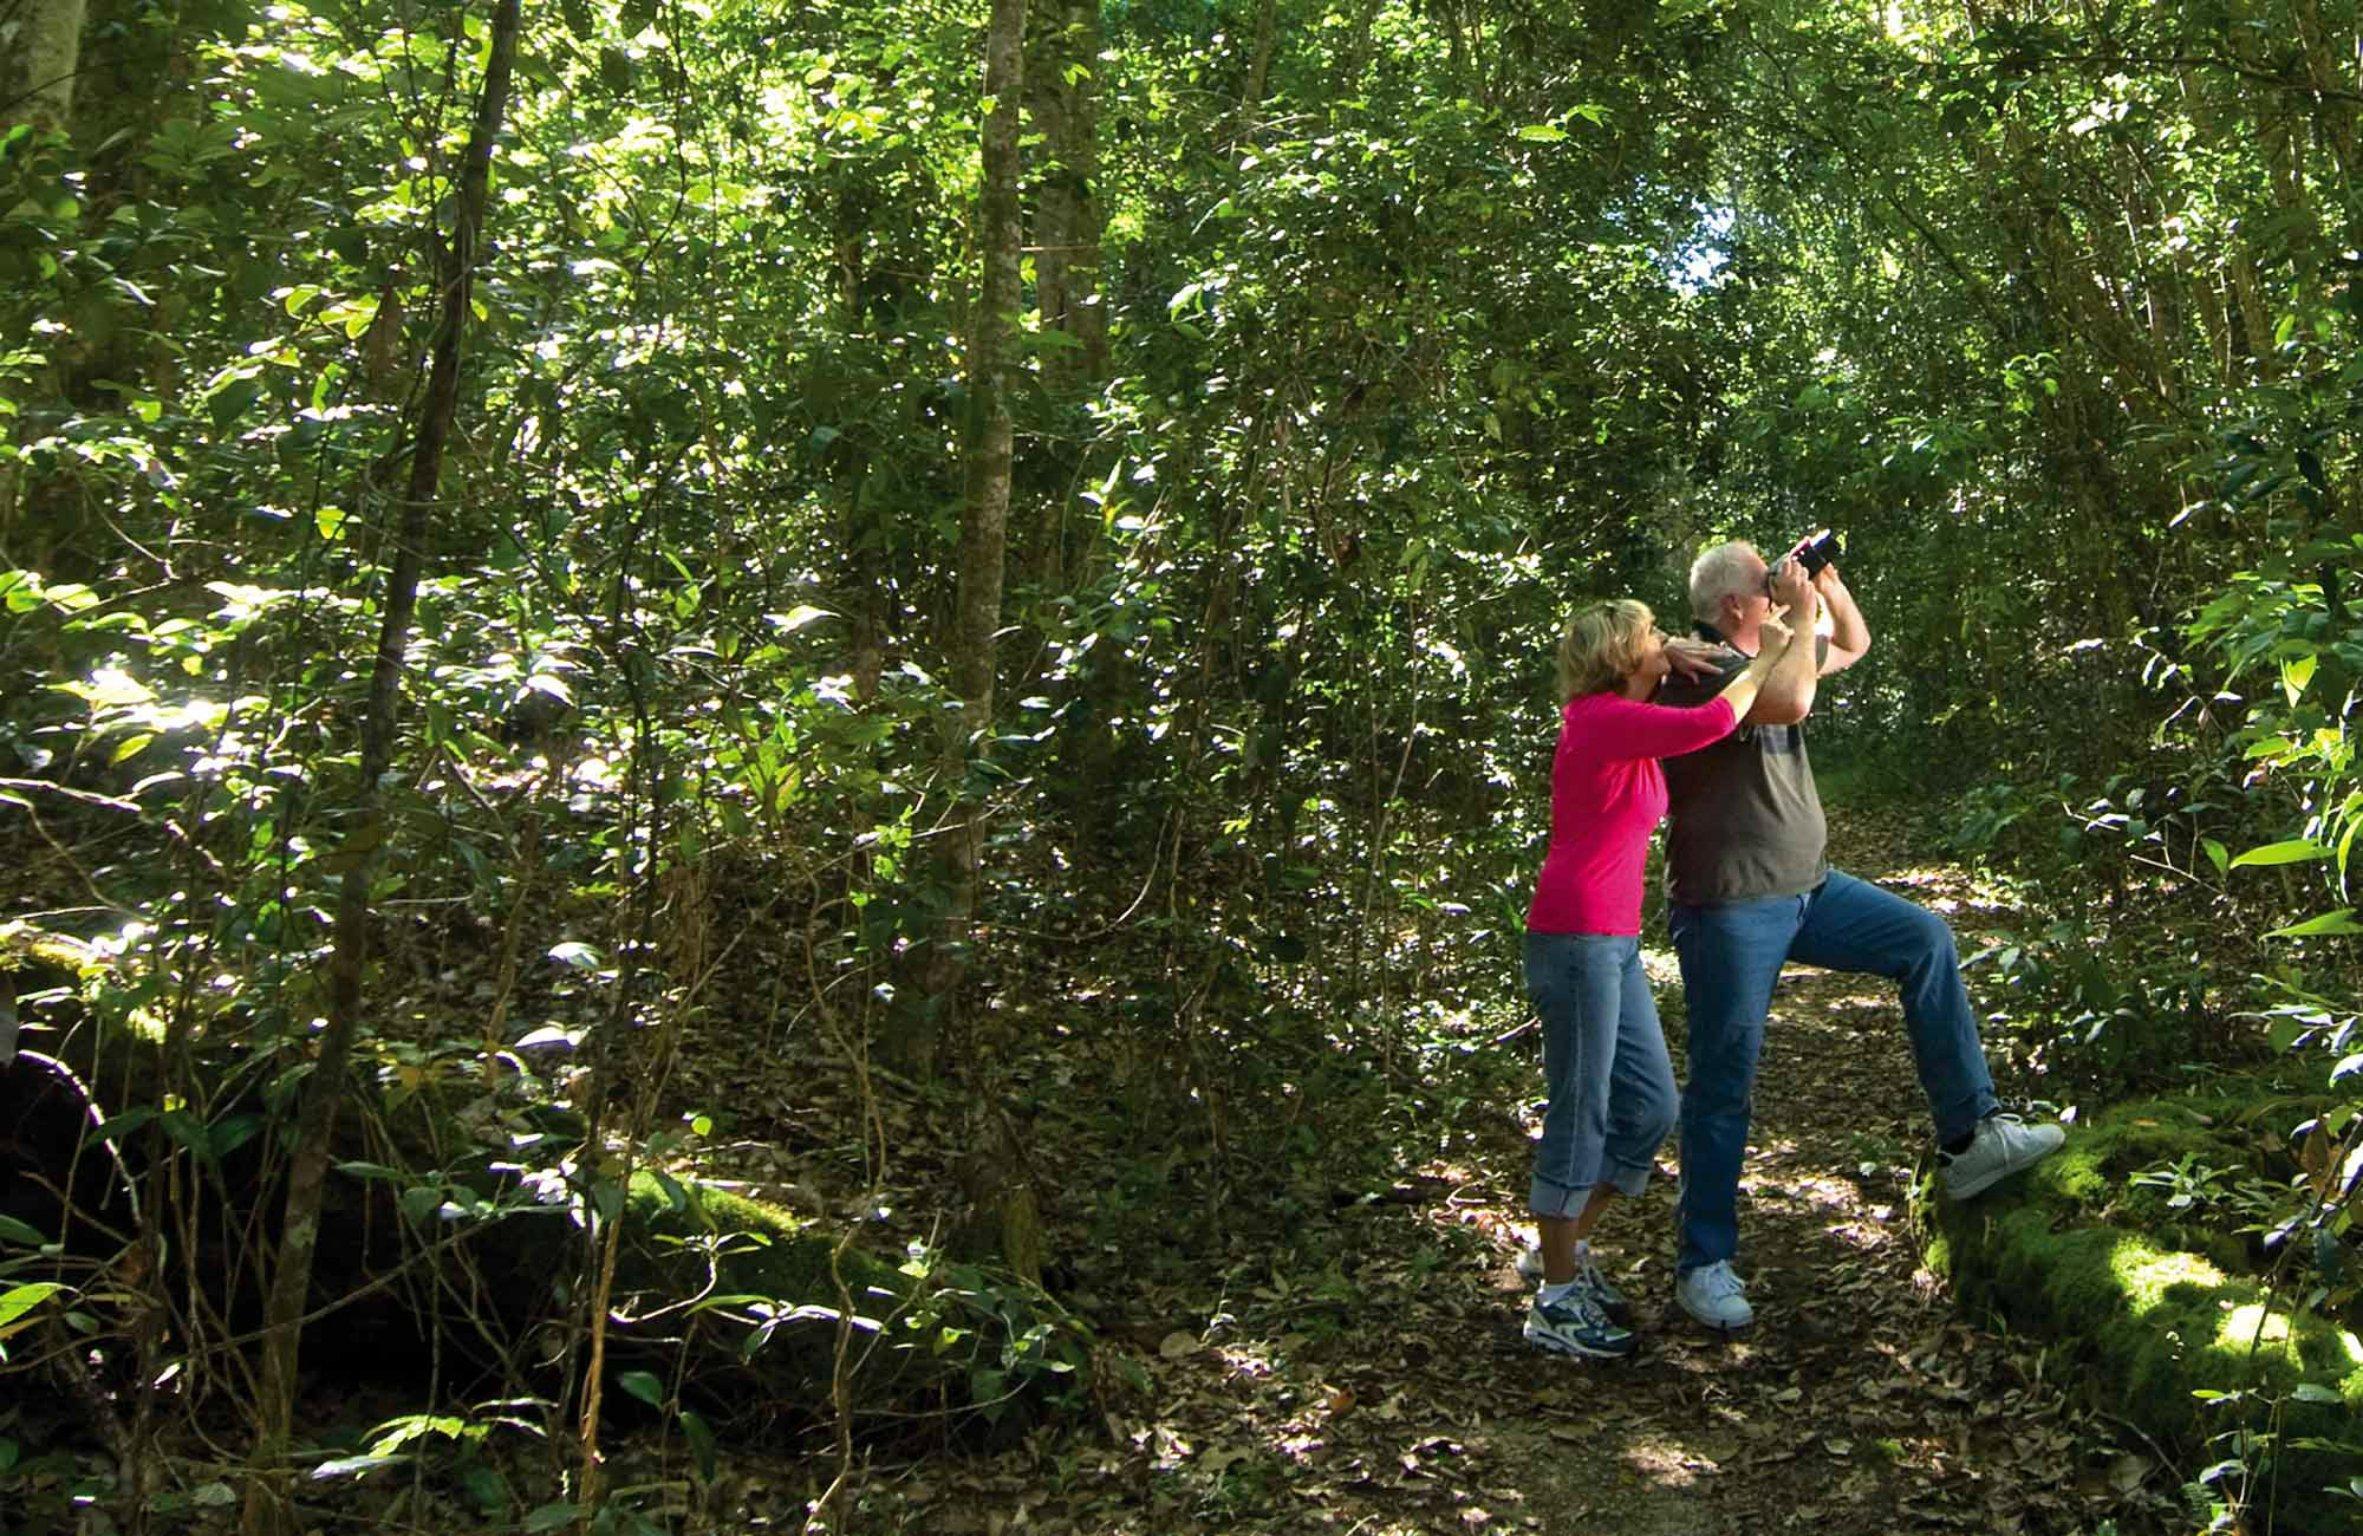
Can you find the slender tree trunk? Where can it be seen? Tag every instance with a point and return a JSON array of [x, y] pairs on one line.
[[2328, 52], [996, 1145], [37, 77], [860, 537], [1062, 57], [984, 519], [1066, 113], [267, 1511], [1259, 66]]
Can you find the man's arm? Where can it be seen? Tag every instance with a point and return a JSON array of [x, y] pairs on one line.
[[1850, 637], [1787, 695]]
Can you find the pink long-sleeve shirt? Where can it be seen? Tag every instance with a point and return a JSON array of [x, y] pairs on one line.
[[1607, 795]]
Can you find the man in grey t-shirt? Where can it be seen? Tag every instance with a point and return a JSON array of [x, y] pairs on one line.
[[1751, 889]]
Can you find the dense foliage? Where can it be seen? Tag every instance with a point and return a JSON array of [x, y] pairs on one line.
[[1353, 344]]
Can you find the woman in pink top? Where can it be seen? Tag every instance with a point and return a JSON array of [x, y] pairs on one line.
[[1612, 1088]]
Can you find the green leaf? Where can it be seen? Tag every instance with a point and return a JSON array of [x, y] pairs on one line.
[[2217, 854], [2295, 674], [15, 1231], [17, 1302], [2341, 921], [229, 1135], [552, 1516], [1542, 133], [488, 1488], [796, 618], [2315, 1392], [122, 1125], [701, 1443], [644, 1386], [2298, 850], [615, 70]]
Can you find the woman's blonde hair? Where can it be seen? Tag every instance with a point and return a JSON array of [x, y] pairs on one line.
[[1602, 645]]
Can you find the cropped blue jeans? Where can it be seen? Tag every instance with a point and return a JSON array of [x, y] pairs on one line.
[[1731, 957], [1604, 1056]]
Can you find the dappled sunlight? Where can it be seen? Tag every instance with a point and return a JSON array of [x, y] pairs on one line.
[[2145, 1275], [2256, 1323], [1666, 1461]]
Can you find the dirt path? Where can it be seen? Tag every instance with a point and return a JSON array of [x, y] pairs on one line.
[[1861, 1402], [1390, 1392]]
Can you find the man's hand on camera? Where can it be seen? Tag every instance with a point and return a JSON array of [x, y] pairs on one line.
[[1827, 580], [1793, 591], [1692, 660]]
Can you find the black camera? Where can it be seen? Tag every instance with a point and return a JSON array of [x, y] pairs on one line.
[[1813, 551]]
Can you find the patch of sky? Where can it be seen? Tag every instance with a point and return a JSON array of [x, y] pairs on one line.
[[1699, 261]]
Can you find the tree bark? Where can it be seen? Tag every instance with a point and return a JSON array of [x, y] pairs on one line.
[[267, 1510], [1062, 89], [1259, 66], [37, 85], [987, 447]]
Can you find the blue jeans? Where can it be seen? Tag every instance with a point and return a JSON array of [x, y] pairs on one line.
[[1604, 1055], [1731, 956]]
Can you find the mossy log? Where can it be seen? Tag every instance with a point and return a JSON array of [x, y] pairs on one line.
[[2159, 1307]]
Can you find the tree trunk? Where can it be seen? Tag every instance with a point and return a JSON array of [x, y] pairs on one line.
[[1005, 1194], [37, 85], [1064, 89], [267, 1510], [1259, 66], [1062, 85], [984, 524]]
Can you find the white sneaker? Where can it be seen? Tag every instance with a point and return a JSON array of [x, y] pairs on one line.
[[1714, 1296], [1607, 1297], [2000, 1147]]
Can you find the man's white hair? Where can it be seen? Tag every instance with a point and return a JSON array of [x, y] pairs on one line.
[[1722, 570]]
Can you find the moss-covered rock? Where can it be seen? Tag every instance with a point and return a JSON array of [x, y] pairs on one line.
[[2161, 1308]]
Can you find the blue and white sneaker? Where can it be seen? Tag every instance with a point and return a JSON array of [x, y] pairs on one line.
[[1716, 1297], [1574, 1325], [1607, 1297]]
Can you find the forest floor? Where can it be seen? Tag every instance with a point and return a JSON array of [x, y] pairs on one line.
[[1385, 1387]]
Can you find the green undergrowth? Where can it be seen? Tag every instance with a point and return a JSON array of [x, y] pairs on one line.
[[764, 1316], [983, 1348], [2106, 1248]]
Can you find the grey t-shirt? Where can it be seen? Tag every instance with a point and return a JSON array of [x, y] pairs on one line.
[[1745, 820]]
